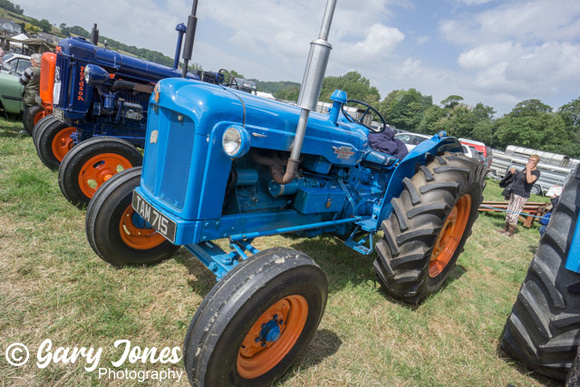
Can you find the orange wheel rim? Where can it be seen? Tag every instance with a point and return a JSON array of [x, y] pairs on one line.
[[62, 142], [450, 236], [41, 114], [272, 336], [99, 169], [136, 237]]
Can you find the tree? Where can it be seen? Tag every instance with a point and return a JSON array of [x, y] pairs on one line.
[[451, 101], [43, 24], [9, 6], [570, 113], [31, 29], [290, 93], [355, 85], [405, 108], [532, 124], [431, 122]]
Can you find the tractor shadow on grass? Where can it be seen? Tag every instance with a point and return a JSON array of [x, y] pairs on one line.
[[522, 369], [200, 279], [325, 344], [347, 268]]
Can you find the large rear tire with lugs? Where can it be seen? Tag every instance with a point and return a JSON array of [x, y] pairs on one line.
[[543, 329], [430, 223]]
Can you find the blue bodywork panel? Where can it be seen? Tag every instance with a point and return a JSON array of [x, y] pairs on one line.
[[120, 113], [573, 259], [343, 185]]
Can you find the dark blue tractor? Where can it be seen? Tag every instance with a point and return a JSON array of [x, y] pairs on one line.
[[100, 103], [220, 163], [543, 329]]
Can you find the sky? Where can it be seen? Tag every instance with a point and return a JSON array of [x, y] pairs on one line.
[[495, 52]]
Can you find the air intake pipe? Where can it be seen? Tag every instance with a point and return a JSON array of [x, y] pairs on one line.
[[310, 90]]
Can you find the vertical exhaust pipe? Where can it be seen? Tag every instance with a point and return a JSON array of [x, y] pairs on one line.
[[180, 28], [310, 90], [189, 38], [95, 35]]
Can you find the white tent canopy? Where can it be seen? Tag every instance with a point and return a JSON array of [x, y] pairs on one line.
[[17, 40]]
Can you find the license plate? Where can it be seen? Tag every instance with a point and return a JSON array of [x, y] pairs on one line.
[[58, 114], [162, 224]]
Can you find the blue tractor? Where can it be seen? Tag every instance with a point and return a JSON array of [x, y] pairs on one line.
[[220, 163], [100, 103], [543, 329]]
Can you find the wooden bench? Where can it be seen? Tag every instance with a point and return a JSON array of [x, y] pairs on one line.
[[528, 214]]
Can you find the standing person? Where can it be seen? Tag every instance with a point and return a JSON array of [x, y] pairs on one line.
[[30, 79], [523, 182]]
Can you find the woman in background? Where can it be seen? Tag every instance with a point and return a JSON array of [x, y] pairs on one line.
[[521, 188]]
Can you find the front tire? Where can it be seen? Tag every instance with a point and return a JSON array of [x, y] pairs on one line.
[[53, 141], [255, 322], [430, 223], [31, 117], [543, 329], [116, 232], [88, 165], [46, 120]]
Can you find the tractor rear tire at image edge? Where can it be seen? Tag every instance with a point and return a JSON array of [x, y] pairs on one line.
[[92, 162], [116, 233], [280, 287], [31, 117], [543, 329], [53, 141], [430, 223]]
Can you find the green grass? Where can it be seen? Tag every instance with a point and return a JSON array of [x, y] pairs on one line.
[[54, 287]]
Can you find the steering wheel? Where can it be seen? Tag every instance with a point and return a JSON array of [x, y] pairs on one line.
[[361, 119]]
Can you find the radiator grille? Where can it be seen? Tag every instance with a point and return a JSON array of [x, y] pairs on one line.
[[168, 156]]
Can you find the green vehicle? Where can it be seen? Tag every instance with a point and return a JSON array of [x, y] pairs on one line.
[[10, 88]]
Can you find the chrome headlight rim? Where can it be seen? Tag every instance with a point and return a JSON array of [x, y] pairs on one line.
[[236, 141]]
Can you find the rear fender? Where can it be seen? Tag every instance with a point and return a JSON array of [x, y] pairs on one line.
[[407, 167]]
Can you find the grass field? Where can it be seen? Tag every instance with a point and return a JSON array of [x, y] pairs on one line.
[[54, 287]]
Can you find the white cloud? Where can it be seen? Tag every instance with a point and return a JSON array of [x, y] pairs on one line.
[[378, 43]]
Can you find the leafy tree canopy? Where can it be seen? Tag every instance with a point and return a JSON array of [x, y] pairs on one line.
[[405, 108], [9, 6], [355, 85]]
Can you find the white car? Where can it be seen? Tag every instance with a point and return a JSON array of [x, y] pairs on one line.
[[474, 154], [15, 62], [411, 140]]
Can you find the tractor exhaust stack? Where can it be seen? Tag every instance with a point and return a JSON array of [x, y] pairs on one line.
[[189, 38], [310, 90], [95, 35]]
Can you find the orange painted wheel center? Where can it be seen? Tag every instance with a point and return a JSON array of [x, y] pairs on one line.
[[272, 336], [99, 169], [62, 142], [39, 116], [450, 236], [136, 237]]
